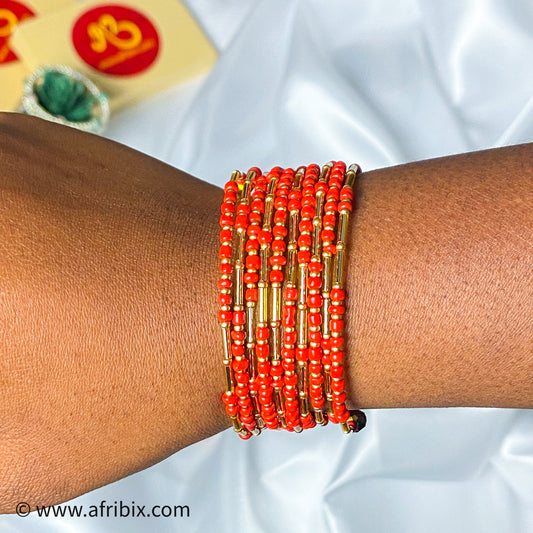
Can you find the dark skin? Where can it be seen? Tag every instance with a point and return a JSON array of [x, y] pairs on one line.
[[111, 355]]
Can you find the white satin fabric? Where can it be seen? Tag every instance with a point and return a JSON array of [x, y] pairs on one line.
[[378, 83]]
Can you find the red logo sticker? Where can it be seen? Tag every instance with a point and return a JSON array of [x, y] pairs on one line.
[[116, 40], [11, 13]]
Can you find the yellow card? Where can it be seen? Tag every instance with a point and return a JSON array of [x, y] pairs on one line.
[[128, 49], [12, 70]]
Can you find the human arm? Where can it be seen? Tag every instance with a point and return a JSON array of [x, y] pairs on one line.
[[111, 357]]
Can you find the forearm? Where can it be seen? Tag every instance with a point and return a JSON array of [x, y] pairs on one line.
[[111, 358], [440, 283]]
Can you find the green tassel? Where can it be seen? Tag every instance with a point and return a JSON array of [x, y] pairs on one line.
[[61, 95]]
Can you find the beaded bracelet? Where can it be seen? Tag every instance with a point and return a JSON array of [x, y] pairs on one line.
[[281, 297]]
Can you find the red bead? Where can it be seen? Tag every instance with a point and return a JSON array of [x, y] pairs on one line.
[[241, 221], [225, 251], [311, 201], [257, 171], [262, 350], [251, 277], [276, 371], [291, 293], [315, 266], [232, 410], [245, 436], [304, 240], [266, 395], [326, 359], [306, 225], [294, 205], [288, 366], [327, 235], [250, 295], [336, 342], [337, 386], [239, 365], [345, 205], [262, 332], [272, 424], [314, 336], [265, 236], [245, 402], [339, 398], [237, 336], [226, 235], [253, 229], [263, 367], [330, 205], [304, 256], [329, 220], [242, 378], [288, 316], [278, 245], [225, 220], [289, 337], [291, 405], [337, 294], [278, 260], [224, 299], [279, 231], [337, 356], [229, 399], [343, 416], [314, 300], [246, 413], [331, 248], [316, 380], [266, 383], [318, 403], [252, 244], [314, 282], [321, 186], [307, 211], [302, 354], [314, 367], [288, 353], [225, 268], [336, 309], [225, 316], [336, 325], [291, 380], [315, 352], [237, 350], [257, 205], [291, 394], [336, 371], [276, 276], [241, 391], [239, 318], [231, 186], [280, 203], [346, 194], [243, 209], [253, 262]]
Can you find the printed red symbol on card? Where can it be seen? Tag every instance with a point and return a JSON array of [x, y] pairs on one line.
[[116, 39], [11, 13]]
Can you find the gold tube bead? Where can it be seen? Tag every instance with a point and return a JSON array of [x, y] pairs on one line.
[[343, 227], [276, 302], [264, 263], [262, 303], [339, 268]]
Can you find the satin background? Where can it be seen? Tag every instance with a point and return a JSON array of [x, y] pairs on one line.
[[378, 83]]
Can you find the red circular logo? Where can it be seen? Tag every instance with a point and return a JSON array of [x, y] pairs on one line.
[[11, 13], [116, 40]]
